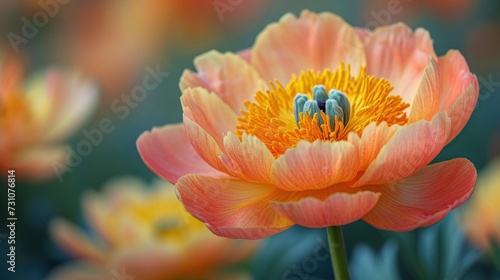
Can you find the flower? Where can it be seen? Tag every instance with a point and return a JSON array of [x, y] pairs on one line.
[[481, 218], [343, 132], [36, 115], [145, 232]]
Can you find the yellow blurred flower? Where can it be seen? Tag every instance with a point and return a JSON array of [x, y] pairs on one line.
[[481, 219], [144, 232], [37, 114]]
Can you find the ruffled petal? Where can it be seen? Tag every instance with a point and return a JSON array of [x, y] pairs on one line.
[[227, 75], [424, 198], [313, 41], [317, 165], [253, 160], [210, 112], [459, 90], [399, 55], [373, 138], [205, 145], [426, 102], [338, 209], [169, 154], [233, 208], [455, 78], [410, 149]]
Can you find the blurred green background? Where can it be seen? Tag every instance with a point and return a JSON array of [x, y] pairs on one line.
[[71, 39]]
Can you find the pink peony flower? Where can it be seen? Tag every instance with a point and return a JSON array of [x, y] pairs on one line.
[[36, 115], [344, 130]]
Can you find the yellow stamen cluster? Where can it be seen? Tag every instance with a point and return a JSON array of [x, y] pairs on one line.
[[271, 117]]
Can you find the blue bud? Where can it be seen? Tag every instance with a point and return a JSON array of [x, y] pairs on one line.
[[343, 102], [298, 106]]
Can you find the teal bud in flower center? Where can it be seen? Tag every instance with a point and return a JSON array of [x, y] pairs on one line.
[[333, 104]]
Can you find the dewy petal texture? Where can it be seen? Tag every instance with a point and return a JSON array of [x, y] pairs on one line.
[[232, 208], [227, 75], [339, 209], [168, 153], [313, 41], [424, 198]]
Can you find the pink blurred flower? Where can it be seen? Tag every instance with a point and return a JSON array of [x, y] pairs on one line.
[[38, 114], [144, 231], [323, 144]]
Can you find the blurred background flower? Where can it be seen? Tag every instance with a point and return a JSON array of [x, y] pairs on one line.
[[39, 112], [481, 218], [146, 233]]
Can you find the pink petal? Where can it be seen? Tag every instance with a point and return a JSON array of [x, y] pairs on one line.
[[410, 149], [426, 102], [338, 209], [425, 198], [317, 165], [169, 154], [227, 75], [205, 145], [459, 90], [246, 54], [455, 78], [210, 112], [399, 55], [461, 111], [313, 41], [252, 158], [233, 208], [373, 138]]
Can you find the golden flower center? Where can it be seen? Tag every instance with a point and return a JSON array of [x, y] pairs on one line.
[[283, 116]]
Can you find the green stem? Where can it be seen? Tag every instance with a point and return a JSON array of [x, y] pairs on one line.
[[337, 252]]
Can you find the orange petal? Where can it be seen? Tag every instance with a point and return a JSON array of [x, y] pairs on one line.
[[317, 165], [459, 90], [410, 149], [426, 102], [338, 209], [373, 138], [210, 112], [399, 55], [313, 41], [168, 153], [252, 158], [205, 145], [425, 198], [75, 242], [233, 208], [227, 75]]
